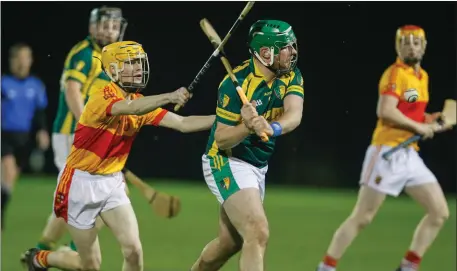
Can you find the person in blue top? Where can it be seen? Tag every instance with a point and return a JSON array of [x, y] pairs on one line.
[[24, 102]]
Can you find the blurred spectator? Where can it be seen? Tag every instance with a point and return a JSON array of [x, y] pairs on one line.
[[24, 101]]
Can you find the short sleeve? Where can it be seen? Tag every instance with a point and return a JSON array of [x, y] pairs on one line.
[[155, 117], [101, 102], [79, 66], [41, 97], [391, 82], [295, 86], [228, 104]]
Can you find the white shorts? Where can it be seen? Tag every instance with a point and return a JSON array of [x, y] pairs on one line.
[[80, 196], [61, 145], [404, 168], [225, 176]]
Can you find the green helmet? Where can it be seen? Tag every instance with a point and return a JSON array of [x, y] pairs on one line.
[[275, 35]]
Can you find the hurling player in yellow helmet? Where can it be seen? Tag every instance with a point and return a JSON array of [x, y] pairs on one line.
[[403, 98], [81, 73], [91, 183]]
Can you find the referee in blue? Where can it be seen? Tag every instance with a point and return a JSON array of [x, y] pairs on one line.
[[24, 101]]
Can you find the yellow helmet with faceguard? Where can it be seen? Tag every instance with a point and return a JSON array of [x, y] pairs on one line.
[[126, 63], [409, 33]]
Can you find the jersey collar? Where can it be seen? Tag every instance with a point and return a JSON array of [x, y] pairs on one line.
[[120, 92], [116, 87], [94, 44], [255, 69], [258, 73], [402, 64], [409, 69]]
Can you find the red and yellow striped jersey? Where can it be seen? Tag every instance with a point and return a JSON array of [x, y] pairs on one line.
[[102, 142], [411, 89]]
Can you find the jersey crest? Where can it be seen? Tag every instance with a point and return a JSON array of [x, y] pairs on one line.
[[224, 100], [280, 92], [108, 93], [80, 65]]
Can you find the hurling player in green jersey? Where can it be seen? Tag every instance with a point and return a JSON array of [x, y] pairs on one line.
[[236, 159]]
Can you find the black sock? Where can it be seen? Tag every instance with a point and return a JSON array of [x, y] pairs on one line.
[[6, 195]]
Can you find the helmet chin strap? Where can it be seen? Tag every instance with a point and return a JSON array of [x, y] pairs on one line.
[[269, 65], [272, 53], [116, 76], [277, 72]]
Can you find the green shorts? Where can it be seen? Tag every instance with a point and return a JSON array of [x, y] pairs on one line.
[[225, 176]]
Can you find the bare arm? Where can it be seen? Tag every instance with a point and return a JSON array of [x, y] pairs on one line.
[[227, 136], [187, 124], [140, 106], [387, 111], [74, 98], [293, 110], [148, 104]]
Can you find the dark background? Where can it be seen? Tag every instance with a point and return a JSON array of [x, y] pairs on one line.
[[343, 50]]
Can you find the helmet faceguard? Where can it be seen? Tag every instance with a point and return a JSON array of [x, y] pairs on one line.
[[276, 36], [126, 63], [108, 20], [407, 35]]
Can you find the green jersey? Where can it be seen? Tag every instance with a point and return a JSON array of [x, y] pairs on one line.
[[269, 99], [84, 66]]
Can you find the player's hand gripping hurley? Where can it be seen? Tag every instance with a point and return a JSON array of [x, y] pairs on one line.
[[448, 119], [216, 41], [217, 51]]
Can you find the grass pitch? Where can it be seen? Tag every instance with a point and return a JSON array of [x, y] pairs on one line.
[[302, 222]]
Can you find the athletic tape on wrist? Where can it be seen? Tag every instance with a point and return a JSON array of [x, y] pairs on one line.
[[277, 129]]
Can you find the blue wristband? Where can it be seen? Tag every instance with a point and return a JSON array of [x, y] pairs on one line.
[[277, 129]]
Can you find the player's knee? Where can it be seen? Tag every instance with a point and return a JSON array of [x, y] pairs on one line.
[[257, 232], [362, 220], [439, 216], [228, 245], [92, 264], [133, 253], [90, 260]]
